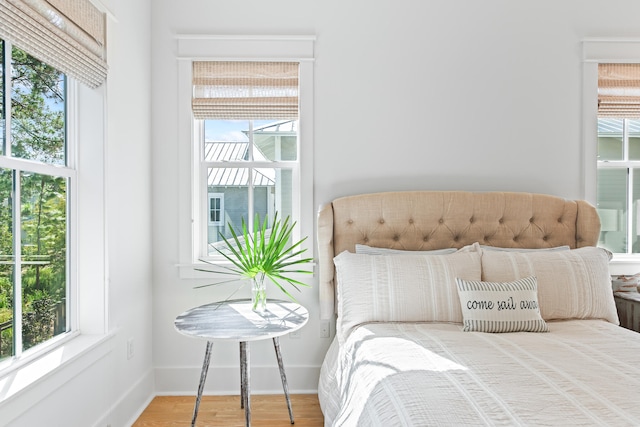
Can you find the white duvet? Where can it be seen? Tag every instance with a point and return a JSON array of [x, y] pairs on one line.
[[581, 373]]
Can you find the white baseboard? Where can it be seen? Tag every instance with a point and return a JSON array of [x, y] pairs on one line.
[[126, 410]]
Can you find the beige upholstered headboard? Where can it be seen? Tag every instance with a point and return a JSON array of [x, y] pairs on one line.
[[425, 220]]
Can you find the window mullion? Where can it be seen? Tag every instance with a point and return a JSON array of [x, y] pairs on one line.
[[203, 190], [6, 149], [629, 210], [17, 273], [250, 201], [625, 139], [625, 152]]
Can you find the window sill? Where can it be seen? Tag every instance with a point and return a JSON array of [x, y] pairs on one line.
[[57, 364], [625, 259], [625, 264]]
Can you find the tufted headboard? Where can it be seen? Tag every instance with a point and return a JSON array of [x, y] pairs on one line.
[[426, 220]]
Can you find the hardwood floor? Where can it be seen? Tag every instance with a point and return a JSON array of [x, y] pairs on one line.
[[217, 411]]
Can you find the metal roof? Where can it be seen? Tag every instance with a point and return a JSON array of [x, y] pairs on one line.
[[614, 126], [285, 126], [239, 177], [235, 151], [231, 151]]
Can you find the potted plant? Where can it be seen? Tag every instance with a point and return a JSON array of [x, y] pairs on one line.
[[264, 254]]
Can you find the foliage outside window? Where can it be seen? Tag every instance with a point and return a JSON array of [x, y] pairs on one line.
[[618, 184], [35, 178]]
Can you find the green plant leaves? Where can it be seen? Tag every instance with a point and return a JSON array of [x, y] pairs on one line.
[[265, 250]]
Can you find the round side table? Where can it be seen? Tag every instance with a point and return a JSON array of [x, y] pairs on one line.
[[234, 320]]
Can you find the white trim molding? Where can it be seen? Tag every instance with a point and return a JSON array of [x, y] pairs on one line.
[[298, 48], [596, 51], [237, 48]]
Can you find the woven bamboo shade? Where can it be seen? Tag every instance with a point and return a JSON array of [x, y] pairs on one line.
[[231, 90], [619, 90], [69, 35]]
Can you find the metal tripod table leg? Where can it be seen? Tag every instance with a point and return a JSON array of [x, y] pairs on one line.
[[283, 377], [203, 378], [245, 390]]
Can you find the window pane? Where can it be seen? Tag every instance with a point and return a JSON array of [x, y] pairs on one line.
[[6, 264], [610, 139], [633, 127], [37, 110], [44, 224], [272, 192], [278, 140], [229, 140], [611, 203]]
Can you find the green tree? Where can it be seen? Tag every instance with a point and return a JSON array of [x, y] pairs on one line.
[[37, 133]]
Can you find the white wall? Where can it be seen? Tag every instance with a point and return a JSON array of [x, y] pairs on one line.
[[446, 95], [102, 387], [129, 207]]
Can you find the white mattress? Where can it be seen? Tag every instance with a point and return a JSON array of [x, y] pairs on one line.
[[583, 372]]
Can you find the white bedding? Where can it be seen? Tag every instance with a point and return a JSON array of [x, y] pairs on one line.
[[582, 372]]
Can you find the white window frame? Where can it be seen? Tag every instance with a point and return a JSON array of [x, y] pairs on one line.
[[238, 48], [594, 52], [69, 173], [88, 339]]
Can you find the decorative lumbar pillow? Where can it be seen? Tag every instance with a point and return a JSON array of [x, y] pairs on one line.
[[501, 306], [573, 284], [370, 250], [378, 288]]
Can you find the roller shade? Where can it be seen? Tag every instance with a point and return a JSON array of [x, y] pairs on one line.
[[231, 90], [69, 35], [619, 90]]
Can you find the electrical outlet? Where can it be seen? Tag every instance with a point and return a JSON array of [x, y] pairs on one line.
[[325, 329], [129, 348]]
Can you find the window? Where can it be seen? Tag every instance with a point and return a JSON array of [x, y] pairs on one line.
[[618, 188], [249, 117], [252, 165], [249, 144], [618, 156], [216, 208], [36, 175]]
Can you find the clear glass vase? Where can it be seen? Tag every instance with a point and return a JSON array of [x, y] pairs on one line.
[[259, 294]]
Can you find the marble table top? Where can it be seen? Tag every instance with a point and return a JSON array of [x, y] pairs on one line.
[[234, 320]]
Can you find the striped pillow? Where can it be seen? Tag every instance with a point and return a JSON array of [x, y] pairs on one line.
[[573, 284], [501, 306], [391, 288]]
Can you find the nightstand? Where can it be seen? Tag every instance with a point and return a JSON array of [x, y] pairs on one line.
[[234, 320], [628, 306]]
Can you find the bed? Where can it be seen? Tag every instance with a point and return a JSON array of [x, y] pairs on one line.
[[469, 308]]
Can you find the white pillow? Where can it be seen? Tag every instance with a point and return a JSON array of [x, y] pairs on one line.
[[501, 306], [379, 288], [573, 284], [370, 250]]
